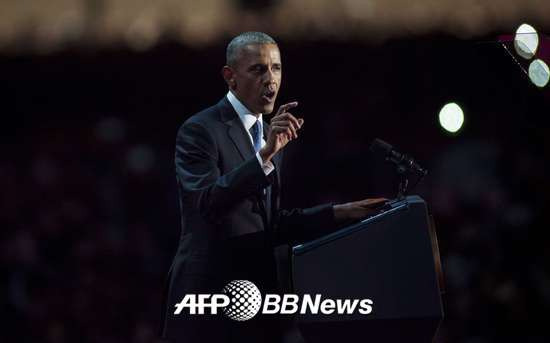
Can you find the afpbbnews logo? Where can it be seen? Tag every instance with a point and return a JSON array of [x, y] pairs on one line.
[[241, 300]]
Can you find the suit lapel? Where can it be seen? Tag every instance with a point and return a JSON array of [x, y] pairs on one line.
[[236, 130], [238, 135], [240, 138]]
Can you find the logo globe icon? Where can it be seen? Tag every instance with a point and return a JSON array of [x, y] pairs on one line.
[[245, 300]]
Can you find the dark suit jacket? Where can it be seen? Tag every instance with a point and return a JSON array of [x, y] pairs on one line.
[[230, 225]]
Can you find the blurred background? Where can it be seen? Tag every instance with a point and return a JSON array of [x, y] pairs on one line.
[[93, 92]]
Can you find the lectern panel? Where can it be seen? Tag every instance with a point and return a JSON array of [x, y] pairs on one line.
[[387, 258]]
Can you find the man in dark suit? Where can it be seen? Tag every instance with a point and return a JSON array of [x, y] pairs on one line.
[[228, 164]]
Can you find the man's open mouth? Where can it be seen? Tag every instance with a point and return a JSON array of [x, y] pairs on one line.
[[269, 96]]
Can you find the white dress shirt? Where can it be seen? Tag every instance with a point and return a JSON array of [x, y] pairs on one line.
[[248, 119]]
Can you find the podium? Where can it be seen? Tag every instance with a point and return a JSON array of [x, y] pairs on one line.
[[391, 258]]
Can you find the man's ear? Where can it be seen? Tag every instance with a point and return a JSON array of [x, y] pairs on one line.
[[229, 77]]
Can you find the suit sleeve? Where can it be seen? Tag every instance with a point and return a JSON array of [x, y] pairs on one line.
[[202, 186], [299, 225]]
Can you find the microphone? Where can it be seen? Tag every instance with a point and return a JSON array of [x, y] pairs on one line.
[[403, 162]]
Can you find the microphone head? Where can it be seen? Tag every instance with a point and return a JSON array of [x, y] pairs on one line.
[[380, 147]]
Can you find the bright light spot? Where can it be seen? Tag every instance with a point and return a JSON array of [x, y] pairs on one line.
[[539, 73], [451, 117], [526, 41]]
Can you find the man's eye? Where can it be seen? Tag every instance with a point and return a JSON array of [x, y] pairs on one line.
[[258, 69], [277, 67]]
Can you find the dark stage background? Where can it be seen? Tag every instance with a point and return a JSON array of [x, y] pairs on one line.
[[88, 194]]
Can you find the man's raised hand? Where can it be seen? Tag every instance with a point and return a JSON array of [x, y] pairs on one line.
[[284, 128]]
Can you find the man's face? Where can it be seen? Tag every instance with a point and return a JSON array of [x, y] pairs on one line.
[[257, 77]]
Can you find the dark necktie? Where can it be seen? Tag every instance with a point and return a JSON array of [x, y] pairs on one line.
[[256, 136]]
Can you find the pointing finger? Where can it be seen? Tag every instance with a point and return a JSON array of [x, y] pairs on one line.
[[286, 107]]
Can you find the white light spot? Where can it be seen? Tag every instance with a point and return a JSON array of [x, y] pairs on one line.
[[539, 73], [451, 117], [526, 41]]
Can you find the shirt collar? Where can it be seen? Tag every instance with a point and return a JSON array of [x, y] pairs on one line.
[[248, 119]]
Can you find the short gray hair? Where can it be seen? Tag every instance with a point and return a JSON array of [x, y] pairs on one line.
[[239, 42]]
